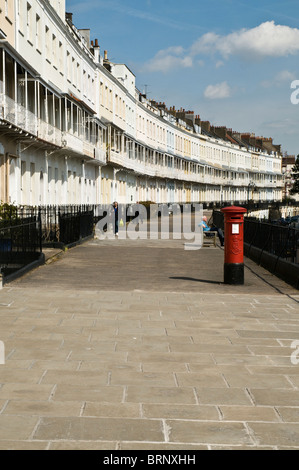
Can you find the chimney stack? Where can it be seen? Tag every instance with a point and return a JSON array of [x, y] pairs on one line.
[[96, 50]]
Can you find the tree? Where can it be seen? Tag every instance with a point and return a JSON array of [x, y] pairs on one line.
[[295, 177]]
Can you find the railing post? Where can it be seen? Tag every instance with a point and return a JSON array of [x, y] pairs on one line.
[[40, 230], [265, 244]]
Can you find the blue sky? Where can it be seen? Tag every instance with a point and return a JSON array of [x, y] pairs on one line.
[[232, 62]]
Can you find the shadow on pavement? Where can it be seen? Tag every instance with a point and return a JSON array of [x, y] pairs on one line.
[[196, 280]]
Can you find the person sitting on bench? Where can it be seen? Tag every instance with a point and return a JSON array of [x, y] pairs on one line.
[[207, 229]]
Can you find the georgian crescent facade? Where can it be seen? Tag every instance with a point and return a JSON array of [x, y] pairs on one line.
[[74, 129]]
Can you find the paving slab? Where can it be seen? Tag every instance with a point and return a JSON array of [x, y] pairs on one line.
[[139, 345], [90, 429]]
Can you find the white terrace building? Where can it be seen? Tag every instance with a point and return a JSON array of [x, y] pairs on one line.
[[75, 130]]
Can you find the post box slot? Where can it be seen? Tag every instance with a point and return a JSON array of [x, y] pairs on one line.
[[236, 218]]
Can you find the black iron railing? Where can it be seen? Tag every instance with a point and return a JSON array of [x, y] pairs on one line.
[[59, 224], [75, 225], [25, 230], [20, 243], [280, 241]]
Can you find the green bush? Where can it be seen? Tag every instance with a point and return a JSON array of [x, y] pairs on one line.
[[7, 211]]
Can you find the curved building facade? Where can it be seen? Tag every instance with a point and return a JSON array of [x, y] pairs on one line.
[[74, 129]]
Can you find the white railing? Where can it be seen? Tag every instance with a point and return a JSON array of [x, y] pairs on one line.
[[72, 142], [174, 173], [49, 133], [18, 115], [100, 155], [88, 149], [117, 157], [133, 164], [141, 167]]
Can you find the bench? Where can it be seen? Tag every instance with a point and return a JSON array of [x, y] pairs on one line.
[[209, 238]]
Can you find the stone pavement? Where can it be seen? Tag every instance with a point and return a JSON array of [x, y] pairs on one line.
[[121, 344]]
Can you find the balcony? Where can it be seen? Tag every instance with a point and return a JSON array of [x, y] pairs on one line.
[[18, 115], [49, 133], [131, 163], [95, 153], [72, 143], [27, 124], [88, 149], [118, 158], [100, 155]]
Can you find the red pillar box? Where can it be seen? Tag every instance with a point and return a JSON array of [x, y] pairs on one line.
[[234, 245]]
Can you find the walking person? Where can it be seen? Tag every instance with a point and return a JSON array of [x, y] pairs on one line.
[[115, 207]]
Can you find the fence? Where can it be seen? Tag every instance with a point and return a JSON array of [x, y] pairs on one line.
[[25, 230], [282, 242], [75, 225], [274, 247], [59, 224], [20, 243]]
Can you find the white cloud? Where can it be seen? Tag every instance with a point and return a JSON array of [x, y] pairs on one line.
[[265, 40], [285, 76], [279, 79], [219, 91], [167, 59], [286, 125]]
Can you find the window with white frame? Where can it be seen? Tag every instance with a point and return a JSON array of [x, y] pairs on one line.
[[92, 91], [54, 52], [23, 172], [101, 93], [68, 65], [84, 82], [29, 23], [60, 54], [78, 76], [73, 72], [21, 16], [38, 33], [47, 43]]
